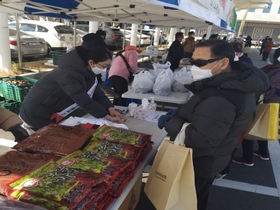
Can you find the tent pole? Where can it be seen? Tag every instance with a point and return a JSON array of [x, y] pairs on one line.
[[18, 42], [75, 33]]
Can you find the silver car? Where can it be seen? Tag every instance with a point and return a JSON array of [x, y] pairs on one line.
[[31, 46]]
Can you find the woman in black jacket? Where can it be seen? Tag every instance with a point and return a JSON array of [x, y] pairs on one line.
[[71, 85], [218, 112]]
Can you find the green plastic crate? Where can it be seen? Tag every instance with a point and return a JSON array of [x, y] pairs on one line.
[[13, 91], [56, 55], [13, 106]]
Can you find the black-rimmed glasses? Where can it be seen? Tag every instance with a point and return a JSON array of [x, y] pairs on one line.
[[200, 62]]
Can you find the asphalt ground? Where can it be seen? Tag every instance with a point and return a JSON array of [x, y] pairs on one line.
[[244, 188]]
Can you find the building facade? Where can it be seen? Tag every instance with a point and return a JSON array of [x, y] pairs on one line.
[[262, 22]]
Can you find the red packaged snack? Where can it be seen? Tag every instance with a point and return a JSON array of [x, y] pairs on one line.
[[113, 149], [55, 139], [38, 201], [15, 164], [57, 183], [120, 182], [121, 136], [13, 204], [97, 163], [93, 196]]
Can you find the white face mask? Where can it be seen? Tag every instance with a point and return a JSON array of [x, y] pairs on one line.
[[97, 70], [199, 74]]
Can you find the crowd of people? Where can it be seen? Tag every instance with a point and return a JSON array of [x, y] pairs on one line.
[[226, 87]]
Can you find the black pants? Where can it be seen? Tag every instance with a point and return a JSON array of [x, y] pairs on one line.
[[265, 55], [120, 86], [248, 148], [202, 186]]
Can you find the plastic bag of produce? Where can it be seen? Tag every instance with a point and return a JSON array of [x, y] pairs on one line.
[[181, 78], [163, 83], [143, 82]]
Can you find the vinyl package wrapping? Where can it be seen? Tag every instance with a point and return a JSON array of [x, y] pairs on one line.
[[55, 139], [90, 177]]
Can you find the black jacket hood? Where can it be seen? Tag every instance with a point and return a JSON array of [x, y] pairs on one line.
[[75, 60], [91, 36]]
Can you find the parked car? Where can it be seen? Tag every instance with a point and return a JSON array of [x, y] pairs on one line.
[[57, 35], [31, 46], [145, 39], [113, 39], [151, 33]]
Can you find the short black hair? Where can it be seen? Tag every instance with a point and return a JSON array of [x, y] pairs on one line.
[[101, 33], [98, 54], [237, 46], [219, 49], [191, 32], [214, 36], [178, 34]]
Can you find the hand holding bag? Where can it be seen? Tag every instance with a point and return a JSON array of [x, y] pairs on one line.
[[170, 184], [264, 124]]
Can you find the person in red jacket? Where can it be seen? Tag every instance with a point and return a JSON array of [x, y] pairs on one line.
[[267, 49]]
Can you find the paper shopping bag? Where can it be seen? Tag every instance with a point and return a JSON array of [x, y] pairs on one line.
[[170, 184], [264, 124]]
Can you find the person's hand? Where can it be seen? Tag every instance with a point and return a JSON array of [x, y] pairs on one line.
[[162, 119], [115, 113], [19, 133], [114, 119]]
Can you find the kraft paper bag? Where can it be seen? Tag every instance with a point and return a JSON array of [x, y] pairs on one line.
[[264, 124], [170, 184]]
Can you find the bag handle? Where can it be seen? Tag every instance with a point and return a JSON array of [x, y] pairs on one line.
[[126, 63], [180, 138]]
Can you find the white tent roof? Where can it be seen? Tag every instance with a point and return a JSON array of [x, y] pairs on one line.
[[123, 11]]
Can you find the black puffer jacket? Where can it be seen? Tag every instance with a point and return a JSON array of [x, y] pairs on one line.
[[218, 112], [93, 40], [65, 85]]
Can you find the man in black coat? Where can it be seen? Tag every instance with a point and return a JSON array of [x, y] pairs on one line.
[[218, 112], [264, 41], [176, 51]]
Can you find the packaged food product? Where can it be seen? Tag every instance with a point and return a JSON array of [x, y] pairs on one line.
[[121, 135], [113, 149], [15, 164], [97, 163], [55, 139]]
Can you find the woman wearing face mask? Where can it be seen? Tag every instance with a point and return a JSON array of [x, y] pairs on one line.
[[71, 85], [126, 61], [218, 112]]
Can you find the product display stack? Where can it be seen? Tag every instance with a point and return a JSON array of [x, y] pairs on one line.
[[61, 167]]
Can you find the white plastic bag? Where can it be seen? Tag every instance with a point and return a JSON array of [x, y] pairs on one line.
[[181, 78], [143, 82], [158, 68], [163, 83]]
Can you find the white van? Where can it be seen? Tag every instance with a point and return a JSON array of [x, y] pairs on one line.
[[57, 35]]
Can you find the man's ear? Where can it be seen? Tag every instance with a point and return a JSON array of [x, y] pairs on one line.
[[224, 64], [90, 62]]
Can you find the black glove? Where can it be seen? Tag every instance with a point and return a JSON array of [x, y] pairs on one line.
[[19, 133]]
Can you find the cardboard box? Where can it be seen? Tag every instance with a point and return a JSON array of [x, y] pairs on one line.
[[132, 199]]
